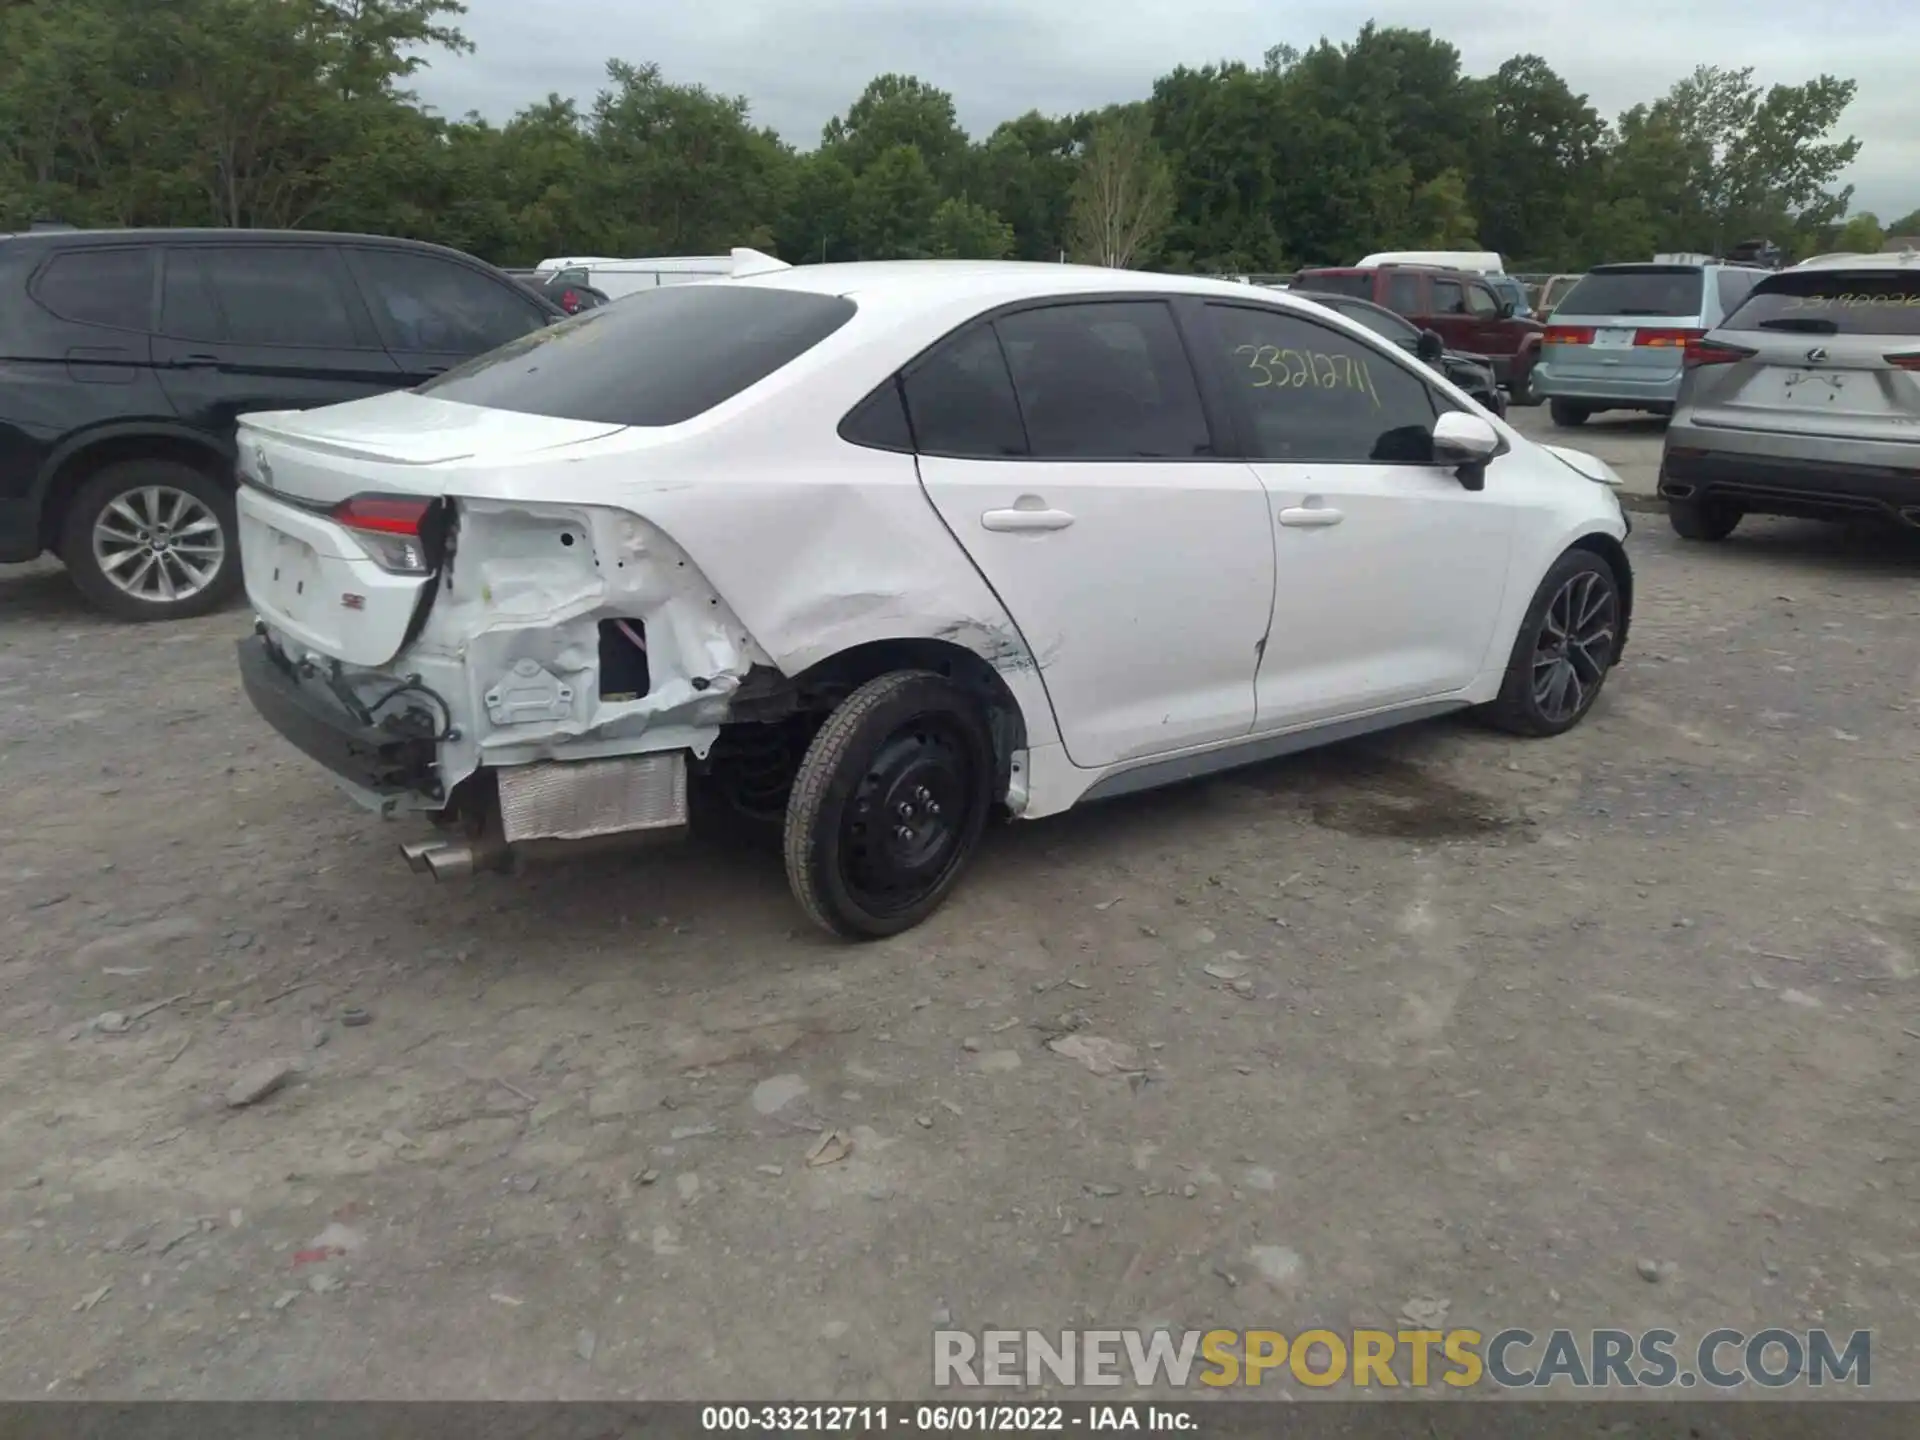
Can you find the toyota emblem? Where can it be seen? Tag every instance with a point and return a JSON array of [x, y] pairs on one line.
[[1817, 354]]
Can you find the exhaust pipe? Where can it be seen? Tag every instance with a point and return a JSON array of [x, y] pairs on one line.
[[451, 862], [415, 853]]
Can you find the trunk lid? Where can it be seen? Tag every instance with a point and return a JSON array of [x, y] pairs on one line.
[[389, 443]]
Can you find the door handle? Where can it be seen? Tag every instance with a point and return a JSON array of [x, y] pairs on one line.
[[198, 362], [1311, 517], [1026, 520]]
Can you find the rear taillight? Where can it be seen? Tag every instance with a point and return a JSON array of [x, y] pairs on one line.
[[1667, 339], [391, 528], [1702, 351], [1905, 362], [1569, 335]]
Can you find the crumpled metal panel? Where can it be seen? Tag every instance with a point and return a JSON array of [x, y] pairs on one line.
[[579, 799]]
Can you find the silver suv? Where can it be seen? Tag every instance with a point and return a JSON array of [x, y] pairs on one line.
[[1615, 340], [1805, 401]]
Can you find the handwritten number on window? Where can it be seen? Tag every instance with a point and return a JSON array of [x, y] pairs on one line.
[[1277, 369]]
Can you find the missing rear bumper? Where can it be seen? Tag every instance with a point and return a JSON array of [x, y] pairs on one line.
[[586, 799]]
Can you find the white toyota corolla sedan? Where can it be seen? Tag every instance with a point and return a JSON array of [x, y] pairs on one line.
[[862, 556]]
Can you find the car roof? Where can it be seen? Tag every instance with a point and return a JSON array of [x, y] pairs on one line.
[[997, 282], [61, 239]]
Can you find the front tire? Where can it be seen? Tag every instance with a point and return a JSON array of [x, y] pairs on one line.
[[1564, 651], [149, 540], [1567, 415], [1707, 520], [889, 805]]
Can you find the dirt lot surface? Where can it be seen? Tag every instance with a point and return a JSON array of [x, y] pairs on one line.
[[1442, 1021]]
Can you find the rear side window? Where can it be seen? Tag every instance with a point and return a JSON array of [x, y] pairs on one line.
[[186, 301], [100, 287], [1833, 302], [1672, 291], [655, 358], [1104, 381], [960, 399], [281, 294], [1358, 283], [1403, 294], [1734, 287]]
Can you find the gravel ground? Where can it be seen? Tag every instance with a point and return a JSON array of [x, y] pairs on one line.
[[1439, 1017]]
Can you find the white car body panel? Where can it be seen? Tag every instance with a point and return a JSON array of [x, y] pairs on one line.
[[754, 537]]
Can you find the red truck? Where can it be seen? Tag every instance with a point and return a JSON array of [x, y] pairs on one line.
[[1462, 307]]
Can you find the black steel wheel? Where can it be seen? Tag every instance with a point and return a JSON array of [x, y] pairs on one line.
[[889, 805], [1566, 414], [1565, 649]]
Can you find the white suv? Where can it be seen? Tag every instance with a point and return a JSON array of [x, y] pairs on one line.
[[866, 554]]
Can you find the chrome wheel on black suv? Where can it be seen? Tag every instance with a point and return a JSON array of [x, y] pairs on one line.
[[152, 540]]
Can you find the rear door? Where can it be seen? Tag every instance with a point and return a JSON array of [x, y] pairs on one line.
[[1817, 353], [1492, 335], [1449, 315], [262, 327], [1134, 557], [433, 312], [1627, 323]]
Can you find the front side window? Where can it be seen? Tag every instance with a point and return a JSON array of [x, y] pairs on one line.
[[1105, 380], [1481, 302], [1309, 393], [280, 294], [186, 300], [427, 303], [1833, 302], [656, 358], [1449, 298], [100, 287]]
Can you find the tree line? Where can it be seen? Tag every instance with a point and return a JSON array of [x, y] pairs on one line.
[[297, 113]]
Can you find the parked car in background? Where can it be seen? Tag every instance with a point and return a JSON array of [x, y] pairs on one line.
[[915, 543], [1616, 341], [1472, 373], [1804, 401], [129, 354], [1514, 293], [616, 278], [1462, 307], [1474, 262], [568, 289]]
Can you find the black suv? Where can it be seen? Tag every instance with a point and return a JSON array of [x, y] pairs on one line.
[[126, 355]]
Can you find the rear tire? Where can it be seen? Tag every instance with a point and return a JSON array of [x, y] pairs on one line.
[[1564, 652], [1706, 520], [1567, 415], [118, 518], [889, 805]]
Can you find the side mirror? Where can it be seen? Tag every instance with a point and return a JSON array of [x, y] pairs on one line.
[[1430, 347], [1466, 442]]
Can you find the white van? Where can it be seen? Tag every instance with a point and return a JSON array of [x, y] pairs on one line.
[[615, 278], [1476, 262]]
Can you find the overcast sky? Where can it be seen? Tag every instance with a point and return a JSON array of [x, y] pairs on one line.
[[801, 61]]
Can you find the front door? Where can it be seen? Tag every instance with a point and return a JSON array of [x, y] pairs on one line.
[[262, 327], [434, 312], [1388, 574], [1067, 450]]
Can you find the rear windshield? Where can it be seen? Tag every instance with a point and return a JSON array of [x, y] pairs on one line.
[[655, 358], [1833, 302], [1670, 291], [1348, 282]]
